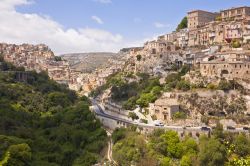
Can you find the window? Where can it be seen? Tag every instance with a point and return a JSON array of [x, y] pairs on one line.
[[235, 66], [239, 11]]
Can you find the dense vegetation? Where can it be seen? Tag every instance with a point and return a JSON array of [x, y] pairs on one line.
[[141, 91], [44, 123], [165, 148]]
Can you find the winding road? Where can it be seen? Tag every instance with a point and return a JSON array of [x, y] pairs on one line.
[[100, 112]]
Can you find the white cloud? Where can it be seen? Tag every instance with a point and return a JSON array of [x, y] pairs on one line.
[[103, 1], [97, 19], [10, 4], [160, 25], [21, 28]]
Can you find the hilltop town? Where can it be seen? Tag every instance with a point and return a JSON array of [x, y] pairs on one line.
[[211, 50], [181, 99]]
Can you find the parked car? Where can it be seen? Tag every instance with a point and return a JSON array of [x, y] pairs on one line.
[[205, 128], [158, 123], [230, 128], [246, 128]]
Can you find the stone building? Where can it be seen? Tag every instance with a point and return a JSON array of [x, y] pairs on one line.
[[198, 18], [238, 13], [158, 47], [231, 65], [164, 108], [233, 30], [182, 38]]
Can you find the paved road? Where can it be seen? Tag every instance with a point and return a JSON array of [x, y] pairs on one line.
[[99, 111]]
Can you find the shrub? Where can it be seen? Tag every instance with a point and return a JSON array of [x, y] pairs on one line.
[[138, 57], [183, 85], [211, 86], [156, 90], [133, 115], [225, 85], [180, 115], [145, 99], [144, 121], [236, 44]]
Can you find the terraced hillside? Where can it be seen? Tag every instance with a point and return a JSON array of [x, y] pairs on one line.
[[87, 62]]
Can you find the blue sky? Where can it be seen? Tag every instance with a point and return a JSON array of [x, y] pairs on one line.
[[127, 22], [132, 18]]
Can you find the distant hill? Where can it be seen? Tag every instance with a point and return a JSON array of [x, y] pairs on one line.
[[87, 62]]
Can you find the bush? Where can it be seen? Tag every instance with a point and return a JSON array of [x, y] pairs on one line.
[[118, 134], [183, 85], [133, 115], [180, 115], [145, 99], [130, 104], [144, 121], [156, 90], [138, 57], [172, 78], [225, 85], [211, 86], [236, 44]]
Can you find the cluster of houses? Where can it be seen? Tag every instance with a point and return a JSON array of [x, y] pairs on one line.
[[38, 58], [205, 43], [203, 29], [41, 58], [86, 82]]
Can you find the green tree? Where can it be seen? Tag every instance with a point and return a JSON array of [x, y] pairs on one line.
[[145, 99], [212, 153], [58, 99], [182, 24], [242, 145], [20, 155], [173, 144], [166, 161]]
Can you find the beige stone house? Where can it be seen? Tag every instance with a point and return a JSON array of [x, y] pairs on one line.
[[164, 109], [158, 47]]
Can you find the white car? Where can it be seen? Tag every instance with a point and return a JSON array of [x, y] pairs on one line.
[[158, 123]]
